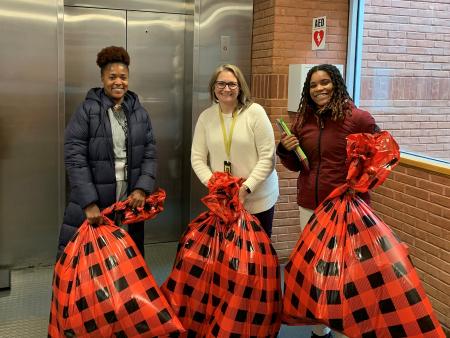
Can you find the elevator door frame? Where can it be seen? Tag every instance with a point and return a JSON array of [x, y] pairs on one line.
[[172, 145]]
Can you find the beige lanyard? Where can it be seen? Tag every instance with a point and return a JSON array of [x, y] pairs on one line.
[[227, 138]]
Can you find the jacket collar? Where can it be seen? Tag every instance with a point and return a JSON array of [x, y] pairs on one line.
[[130, 99]]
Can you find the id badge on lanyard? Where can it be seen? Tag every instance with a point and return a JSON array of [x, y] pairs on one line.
[[227, 167], [227, 140]]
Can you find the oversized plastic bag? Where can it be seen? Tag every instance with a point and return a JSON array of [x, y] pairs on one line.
[[102, 286], [153, 205], [348, 270], [226, 280]]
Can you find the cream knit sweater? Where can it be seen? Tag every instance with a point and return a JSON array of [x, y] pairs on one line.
[[252, 152]]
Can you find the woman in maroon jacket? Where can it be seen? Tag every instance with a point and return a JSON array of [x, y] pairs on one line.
[[326, 116]]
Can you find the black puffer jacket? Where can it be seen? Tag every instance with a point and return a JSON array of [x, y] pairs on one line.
[[89, 156]]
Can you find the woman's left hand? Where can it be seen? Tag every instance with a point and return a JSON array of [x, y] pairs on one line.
[[243, 193], [137, 198]]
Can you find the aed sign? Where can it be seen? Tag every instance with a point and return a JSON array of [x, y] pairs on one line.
[[319, 32]]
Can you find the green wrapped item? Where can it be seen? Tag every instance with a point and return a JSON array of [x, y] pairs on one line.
[[298, 151]]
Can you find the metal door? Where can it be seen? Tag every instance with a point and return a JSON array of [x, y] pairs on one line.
[[29, 139], [86, 31], [155, 42]]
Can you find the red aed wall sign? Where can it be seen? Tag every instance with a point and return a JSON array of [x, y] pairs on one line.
[[319, 32]]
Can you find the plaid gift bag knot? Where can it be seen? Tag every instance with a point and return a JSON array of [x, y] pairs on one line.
[[154, 204], [348, 269], [102, 287], [226, 279]]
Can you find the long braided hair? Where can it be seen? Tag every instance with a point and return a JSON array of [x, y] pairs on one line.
[[339, 104]]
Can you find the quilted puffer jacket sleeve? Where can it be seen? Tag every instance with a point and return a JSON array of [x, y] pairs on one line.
[[288, 158], [146, 180], [76, 143], [366, 122]]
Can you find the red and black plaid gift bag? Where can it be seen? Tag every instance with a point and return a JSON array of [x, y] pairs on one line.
[[188, 287], [102, 287], [226, 279], [153, 206], [348, 270]]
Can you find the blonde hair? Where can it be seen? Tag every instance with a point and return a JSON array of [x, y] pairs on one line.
[[244, 96]]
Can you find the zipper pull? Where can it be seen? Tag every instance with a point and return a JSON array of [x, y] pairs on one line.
[[321, 123]]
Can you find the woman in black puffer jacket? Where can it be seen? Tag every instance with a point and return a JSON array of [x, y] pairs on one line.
[[109, 150]]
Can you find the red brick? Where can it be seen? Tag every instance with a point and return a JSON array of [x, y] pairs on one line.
[[430, 207], [405, 198], [441, 200], [394, 185], [430, 186], [286, 206], [382, 190], [404, 178], [436, 283], [430, 227], [441, 222], [416, 192]]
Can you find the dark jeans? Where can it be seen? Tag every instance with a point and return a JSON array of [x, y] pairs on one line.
[[266, 219]]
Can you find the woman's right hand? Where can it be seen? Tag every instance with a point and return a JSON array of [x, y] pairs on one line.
[[289, 142], [93, 215]]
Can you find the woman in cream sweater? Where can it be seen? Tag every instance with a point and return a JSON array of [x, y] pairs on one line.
[[234, 134]]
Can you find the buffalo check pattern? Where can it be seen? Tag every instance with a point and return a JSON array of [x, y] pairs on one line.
[[102, 287], [226, 280], [154, 204], [348, 270]]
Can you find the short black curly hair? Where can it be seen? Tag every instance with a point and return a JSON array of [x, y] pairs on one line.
[[112, 54]]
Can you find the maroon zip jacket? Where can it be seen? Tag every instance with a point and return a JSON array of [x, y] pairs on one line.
[[324, 143]]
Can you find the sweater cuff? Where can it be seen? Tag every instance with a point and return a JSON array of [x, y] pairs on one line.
[[251, 184]]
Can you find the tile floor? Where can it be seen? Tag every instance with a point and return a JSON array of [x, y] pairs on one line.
[[24, 309]]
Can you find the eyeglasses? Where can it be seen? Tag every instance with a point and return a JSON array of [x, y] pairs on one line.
[[223, 84]]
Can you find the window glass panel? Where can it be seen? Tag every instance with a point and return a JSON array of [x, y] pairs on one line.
[[405, 73]]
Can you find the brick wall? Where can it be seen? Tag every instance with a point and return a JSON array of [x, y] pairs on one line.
[[282, 36], [405, 79], [415, 203]]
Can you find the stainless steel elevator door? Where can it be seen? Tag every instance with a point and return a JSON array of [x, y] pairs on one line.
[[86, 31], [155, 43], [29, 139]]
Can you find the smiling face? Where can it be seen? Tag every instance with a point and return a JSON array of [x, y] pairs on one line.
[[321, 88], [115, 81], [226, 96]]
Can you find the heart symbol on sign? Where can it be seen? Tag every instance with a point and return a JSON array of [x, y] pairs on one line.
[[318, 37]]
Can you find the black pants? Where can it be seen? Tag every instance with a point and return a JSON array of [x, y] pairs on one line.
[[135, 230], [266, 220]]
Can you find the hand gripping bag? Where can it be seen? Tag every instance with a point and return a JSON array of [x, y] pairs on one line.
[[234, 290], [153, 206], [102, 286], [348, 270]]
